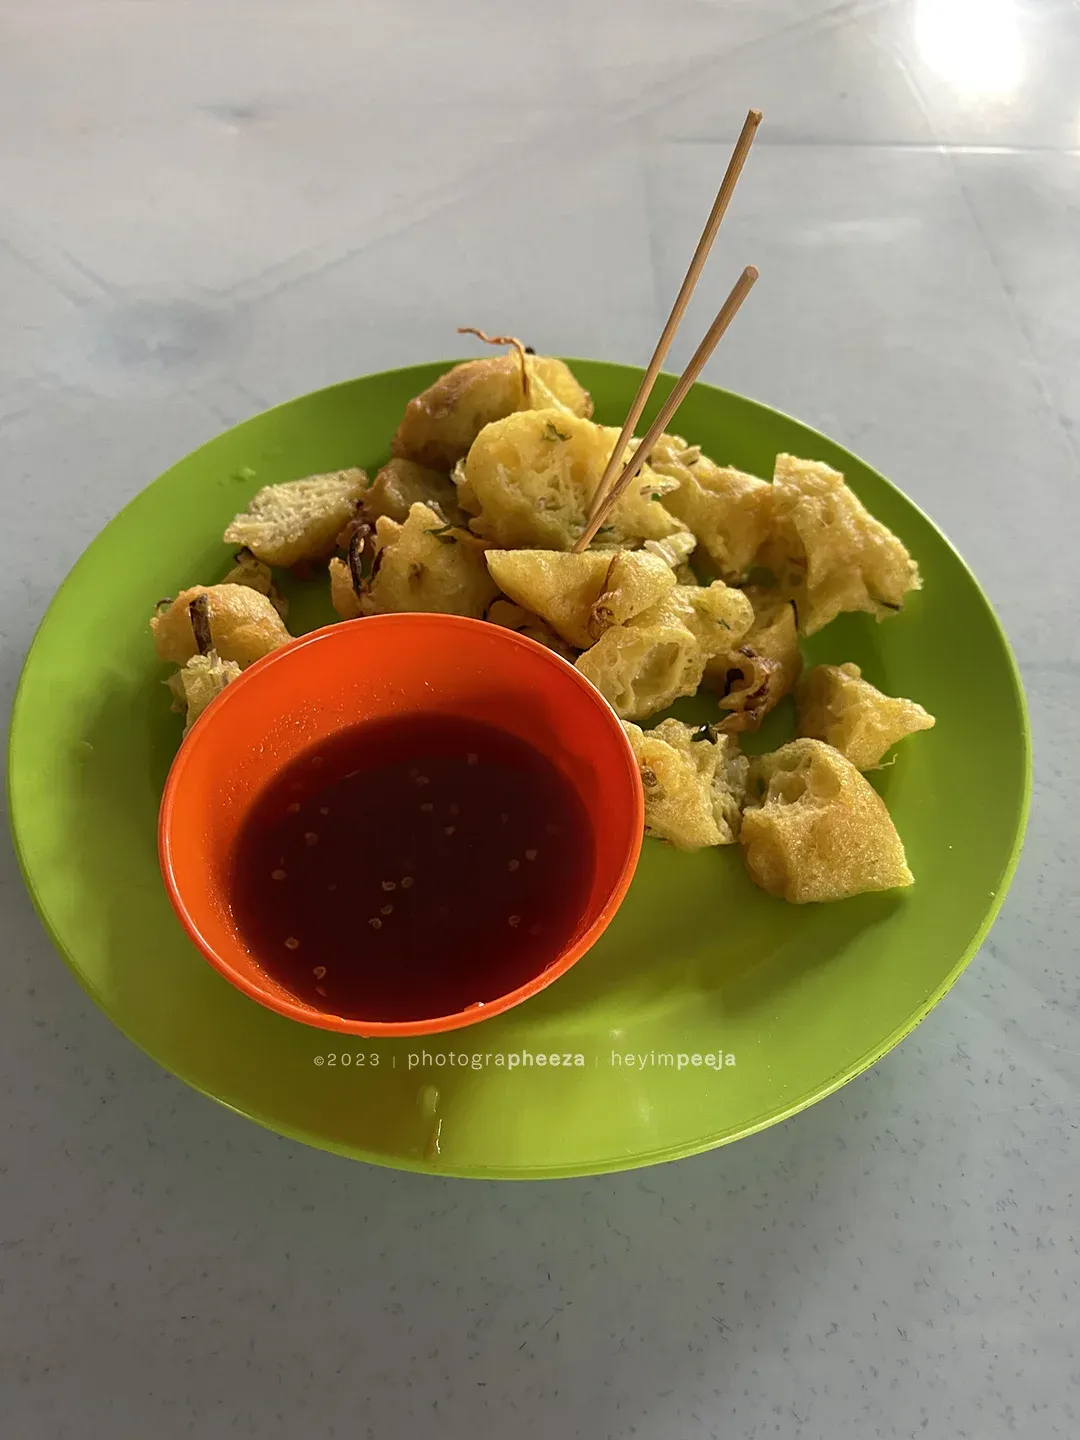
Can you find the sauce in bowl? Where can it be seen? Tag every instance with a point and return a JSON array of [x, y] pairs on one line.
[[412, 867]]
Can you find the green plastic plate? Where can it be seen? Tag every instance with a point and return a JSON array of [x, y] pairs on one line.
[[779, 1004]]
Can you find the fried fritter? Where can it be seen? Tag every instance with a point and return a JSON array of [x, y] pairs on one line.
[[244, 626], [827, 551], [694, 781], [254, 573], [440, 425], [198, 682], [753, 677], [815, 829], [344, 595], [428, 565], [299, 521], [514, 617], [675, 551], [401, 483], [728, 511], [838, 706], [534, 474], [643, 666], [581, 596]]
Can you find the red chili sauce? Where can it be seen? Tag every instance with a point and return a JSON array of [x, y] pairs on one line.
[[410, 868]]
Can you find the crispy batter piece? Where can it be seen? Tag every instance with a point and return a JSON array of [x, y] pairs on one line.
[[344, 595], [838, 706], [675, 551], [827, 551], [694, 781], [728, 511], [298, 522], [581, 596], [258, 576], [400, 484], [244, 625], [646, 664], [424, 564], [198, 682], [533, 476], [753, 677], [440, 425], [513, 617], [815, 829], [465, 494]]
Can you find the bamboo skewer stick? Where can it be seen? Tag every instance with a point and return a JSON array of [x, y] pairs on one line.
[[727, 313], [697, 264]]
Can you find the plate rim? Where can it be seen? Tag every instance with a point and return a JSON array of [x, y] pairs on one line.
[[613, 1164]]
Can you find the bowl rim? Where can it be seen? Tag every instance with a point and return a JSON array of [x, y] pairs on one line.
[[216, 713]]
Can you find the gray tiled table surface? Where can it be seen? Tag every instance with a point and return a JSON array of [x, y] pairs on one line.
[[206, 208]]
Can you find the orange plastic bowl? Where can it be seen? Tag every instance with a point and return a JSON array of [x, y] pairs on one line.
[[374, 669]]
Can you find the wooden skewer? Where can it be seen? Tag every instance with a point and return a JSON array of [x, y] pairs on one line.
[[693, 274], [727, 313]]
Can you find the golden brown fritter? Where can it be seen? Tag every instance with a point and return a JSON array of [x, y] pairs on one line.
[[440, 425], [533, 477], [694, 781], [198, 682], [728, 511], [244, 626], [827, 551], [838, 706], [643, 666], [344, 596], [427, 565], [248, 571], [753, 677], [513, 617], [299, 521], [400, 484], [581, 596], [815, 829]]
